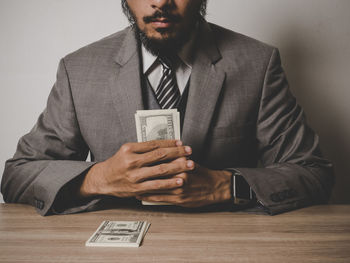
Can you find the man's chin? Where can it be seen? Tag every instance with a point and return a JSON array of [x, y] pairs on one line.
[[163, 36], [165, 47], [162, 44]]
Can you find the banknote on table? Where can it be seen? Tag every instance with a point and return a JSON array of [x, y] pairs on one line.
[[157, 125], [118, 234]]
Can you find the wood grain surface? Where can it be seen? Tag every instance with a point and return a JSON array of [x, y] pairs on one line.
[[314, 234]]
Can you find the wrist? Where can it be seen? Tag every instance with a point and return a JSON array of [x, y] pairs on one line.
[[227, 191], [90, 184]]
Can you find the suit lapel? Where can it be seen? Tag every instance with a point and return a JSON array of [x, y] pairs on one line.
[[126, 85], [205, 87]]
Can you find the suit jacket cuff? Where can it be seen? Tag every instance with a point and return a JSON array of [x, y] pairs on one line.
[[274, 194], [52, 179]]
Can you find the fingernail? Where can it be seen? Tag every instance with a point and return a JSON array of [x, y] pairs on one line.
[[178, 143], [188, 149], [190, 164], [179, 181]]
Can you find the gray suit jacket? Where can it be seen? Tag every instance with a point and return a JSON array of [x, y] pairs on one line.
[[239, 111]]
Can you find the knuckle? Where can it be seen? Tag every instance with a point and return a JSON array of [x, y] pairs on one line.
[[162, 169], [126, 148], [160, 153], [169, 185], [153, 185], [160, 185], [163, 184], [152, 144], [130, 162], [131, 178]]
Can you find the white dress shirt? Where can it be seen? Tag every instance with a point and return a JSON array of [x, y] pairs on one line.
[[183, 68]]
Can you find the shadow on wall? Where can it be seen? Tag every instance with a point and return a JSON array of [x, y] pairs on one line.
[[310, 70]]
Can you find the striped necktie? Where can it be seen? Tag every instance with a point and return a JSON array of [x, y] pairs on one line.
[[167, 92]]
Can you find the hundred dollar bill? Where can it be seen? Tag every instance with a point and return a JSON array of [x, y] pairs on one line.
[[157, 125], [118, 234]]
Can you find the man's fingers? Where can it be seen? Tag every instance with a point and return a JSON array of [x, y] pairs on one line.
[[178, 200], [143, 147], [165, 154], [175, 167], [172, 199], [137, 155], [175, 191], [167, 198], [156, 185]]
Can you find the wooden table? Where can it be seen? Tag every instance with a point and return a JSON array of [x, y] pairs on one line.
[[314, 234]]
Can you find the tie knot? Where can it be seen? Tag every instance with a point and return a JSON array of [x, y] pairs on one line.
[[166, 62]]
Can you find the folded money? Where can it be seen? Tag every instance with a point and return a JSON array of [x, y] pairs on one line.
[[157, 125], [118, 234]]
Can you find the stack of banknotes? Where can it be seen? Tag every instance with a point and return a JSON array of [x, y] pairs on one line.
[[157, 125], [119, 234]]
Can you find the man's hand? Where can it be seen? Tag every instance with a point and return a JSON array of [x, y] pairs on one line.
[[139, 168], [200, 187]]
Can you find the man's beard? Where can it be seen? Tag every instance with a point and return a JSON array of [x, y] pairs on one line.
[[167, 46]]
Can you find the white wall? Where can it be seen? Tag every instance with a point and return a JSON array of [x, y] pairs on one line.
[[312, 35]]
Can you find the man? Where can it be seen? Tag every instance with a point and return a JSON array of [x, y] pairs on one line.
[[235, 106]]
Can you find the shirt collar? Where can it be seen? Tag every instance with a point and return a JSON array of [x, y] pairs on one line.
[[185, 54], [148, 59]]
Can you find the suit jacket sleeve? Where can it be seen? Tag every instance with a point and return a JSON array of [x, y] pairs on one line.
[[51, 155], [294, 174]]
